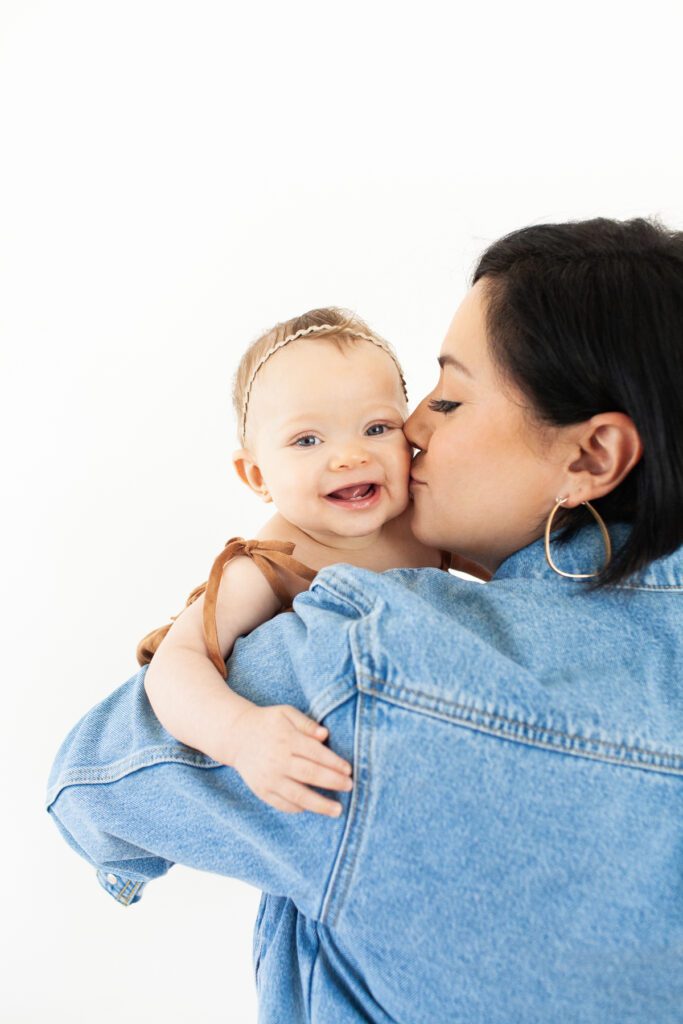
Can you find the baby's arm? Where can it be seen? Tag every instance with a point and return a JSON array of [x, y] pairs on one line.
[[275, 749]]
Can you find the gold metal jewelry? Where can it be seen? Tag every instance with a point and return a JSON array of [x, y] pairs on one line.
[[605, 536]]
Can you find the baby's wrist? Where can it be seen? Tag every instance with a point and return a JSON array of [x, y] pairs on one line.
[[222, 742]]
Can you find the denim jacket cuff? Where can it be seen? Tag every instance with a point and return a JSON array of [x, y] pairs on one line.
[[123, 890]]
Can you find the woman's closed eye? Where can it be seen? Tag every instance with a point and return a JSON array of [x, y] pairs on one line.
[[442, 405]]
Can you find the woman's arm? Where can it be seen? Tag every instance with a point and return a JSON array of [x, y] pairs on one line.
[[275, 749], [132, 800]]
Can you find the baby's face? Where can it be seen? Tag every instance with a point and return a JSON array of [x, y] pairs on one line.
[[321, 420]]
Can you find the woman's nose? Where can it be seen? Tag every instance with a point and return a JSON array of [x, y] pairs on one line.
[[416, 428]]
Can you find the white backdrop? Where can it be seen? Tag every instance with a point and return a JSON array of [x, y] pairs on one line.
[[174, 178]]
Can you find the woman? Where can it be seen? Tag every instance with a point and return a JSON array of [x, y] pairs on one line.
[[512, 848]]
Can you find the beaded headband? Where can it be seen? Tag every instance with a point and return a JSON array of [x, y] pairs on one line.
[[315, 329]]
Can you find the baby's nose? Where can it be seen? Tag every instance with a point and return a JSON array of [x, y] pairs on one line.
[[348, 457]]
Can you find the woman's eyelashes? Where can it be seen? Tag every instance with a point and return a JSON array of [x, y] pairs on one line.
[[442, 405]]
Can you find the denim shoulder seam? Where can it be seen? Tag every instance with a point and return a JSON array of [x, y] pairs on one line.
[[332, 697], [126, 766], [333, 580], [673, 587], [517, 730]]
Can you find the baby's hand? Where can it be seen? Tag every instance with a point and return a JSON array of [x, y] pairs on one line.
[[277, 749]]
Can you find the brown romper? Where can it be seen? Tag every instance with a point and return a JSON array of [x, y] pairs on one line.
[[265, 554]]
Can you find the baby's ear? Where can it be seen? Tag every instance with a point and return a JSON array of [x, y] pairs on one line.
[[247, 470]]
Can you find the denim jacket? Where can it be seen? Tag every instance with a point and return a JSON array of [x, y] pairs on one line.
[[512, 849]]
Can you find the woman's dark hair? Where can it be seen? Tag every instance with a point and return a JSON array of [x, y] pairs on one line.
[[587, 317]]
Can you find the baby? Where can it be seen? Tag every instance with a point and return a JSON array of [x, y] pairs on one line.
[[320, 402]]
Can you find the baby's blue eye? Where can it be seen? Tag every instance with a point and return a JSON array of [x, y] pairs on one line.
[[384, 427], [306, 437]]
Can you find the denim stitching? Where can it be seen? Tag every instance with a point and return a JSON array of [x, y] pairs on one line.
[[366, 773], [335, 584], [339, 586], [259, 937], [341, 865], [404, 695], [121, 894], [408, 691], [335, 694], [118, 770], [126, 902], [541, 744], [647, 586]]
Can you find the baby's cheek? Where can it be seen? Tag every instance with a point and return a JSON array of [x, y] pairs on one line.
[[400, 477], [405, 458]]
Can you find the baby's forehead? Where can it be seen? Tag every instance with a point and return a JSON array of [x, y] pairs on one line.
[[314, 371]]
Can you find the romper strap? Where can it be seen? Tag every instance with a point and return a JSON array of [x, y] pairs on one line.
[[262, 553], [449, 560]]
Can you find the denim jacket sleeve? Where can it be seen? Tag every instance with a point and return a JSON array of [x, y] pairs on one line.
[[133, 801]]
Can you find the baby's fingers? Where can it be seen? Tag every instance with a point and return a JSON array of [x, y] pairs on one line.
[[316, 775], [308, 800], [280, 804], [303, 723], [316, 751]]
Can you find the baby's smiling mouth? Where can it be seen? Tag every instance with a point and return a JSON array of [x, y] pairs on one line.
[[357, 496], [353, 493]]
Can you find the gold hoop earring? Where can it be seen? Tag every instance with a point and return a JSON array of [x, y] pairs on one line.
[[605, 536]]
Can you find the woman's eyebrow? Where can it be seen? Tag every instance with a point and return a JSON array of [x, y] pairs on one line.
[[455, 363]]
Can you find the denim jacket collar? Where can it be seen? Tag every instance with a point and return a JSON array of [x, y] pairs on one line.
[[585, 553]]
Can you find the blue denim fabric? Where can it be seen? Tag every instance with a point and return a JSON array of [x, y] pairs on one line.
[[512, 850]]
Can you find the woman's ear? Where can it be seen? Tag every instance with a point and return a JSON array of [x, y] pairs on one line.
[[249, 473], [610, 447]]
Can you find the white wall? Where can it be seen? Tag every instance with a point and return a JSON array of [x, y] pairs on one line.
[[175, 177]]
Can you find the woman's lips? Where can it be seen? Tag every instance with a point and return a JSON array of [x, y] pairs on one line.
[[414, 480]]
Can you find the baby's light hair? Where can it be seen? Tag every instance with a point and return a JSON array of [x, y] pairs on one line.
[[331, 323]]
